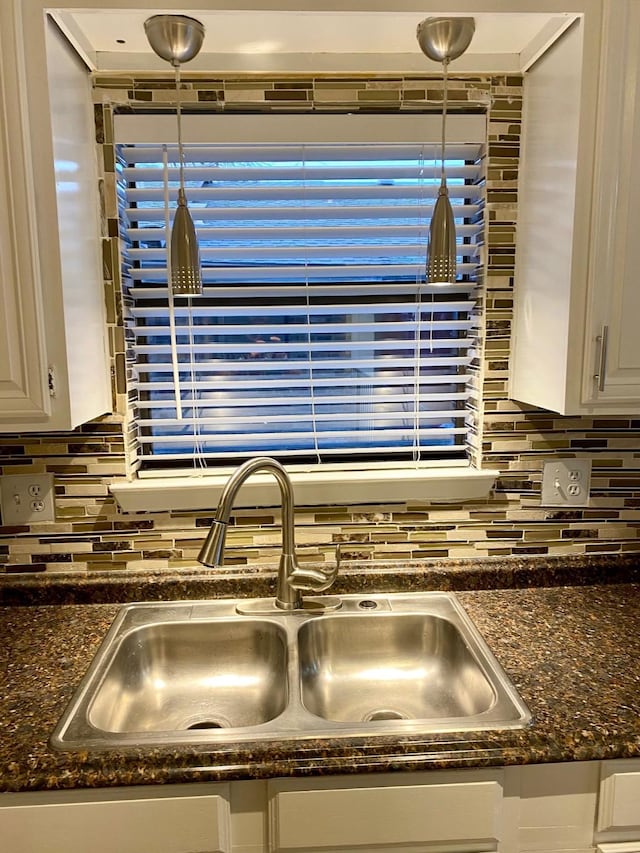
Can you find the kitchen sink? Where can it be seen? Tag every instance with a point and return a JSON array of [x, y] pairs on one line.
[[211, 672]]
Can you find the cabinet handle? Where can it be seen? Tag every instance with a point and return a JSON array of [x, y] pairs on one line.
[[600, 376]]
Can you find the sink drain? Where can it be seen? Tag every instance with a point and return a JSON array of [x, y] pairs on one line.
[[384, 714], [208, 723]]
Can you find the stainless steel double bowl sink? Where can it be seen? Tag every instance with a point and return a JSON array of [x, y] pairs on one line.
[[214, 672]]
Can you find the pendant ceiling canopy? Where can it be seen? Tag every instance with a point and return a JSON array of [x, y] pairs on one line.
[[175, 38], [445, 39]]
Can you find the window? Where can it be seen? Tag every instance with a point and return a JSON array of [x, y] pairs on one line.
[[316, 339]]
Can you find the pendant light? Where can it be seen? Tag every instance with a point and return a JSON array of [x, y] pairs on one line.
[[442, 40], [177, 39]]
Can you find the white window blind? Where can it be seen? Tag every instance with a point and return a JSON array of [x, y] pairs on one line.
[[316, 337]]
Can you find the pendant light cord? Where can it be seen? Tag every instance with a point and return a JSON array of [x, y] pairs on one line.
[[445, 66], [199, 462], [179, 117]]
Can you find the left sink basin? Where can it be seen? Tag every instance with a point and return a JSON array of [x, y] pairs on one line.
[[178, 672], [178, 676]]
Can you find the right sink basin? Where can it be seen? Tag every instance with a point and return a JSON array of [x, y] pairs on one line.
[[392, 666]]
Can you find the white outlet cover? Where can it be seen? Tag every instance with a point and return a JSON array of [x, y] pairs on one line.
[[27, 498], [566, 482]]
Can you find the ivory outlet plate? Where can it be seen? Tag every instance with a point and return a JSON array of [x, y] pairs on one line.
[[566, 482], [27, 498]]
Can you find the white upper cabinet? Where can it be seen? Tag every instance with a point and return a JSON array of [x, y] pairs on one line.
[[53, 360], [612, 364], [575, 347]]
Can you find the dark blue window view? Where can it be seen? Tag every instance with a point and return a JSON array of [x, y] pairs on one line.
[[316, 338]]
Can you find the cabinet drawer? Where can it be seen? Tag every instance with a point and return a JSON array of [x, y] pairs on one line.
[[384, 817], [126, 821], [619, 806]]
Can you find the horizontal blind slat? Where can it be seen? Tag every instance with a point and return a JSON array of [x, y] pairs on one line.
[[319, 382], [257, 366], [292, 291], [254, 350], [235, 439], [372, 451], [238, 402], [324, 233], [156, 314], [212, 195], [426, 149], [297, 254], [380, 325], [356, 419], [299, 273], [372, 212], [430, 171]]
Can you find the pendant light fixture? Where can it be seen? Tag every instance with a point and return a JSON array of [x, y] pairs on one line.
[[177, 39], [442, 40]]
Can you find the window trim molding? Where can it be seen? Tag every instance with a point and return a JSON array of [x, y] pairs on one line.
[[434, 481], [340, 128], [339, 485]]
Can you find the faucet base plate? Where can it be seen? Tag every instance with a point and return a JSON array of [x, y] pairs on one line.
[[262, 606]]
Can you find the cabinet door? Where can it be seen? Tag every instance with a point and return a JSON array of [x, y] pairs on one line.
[[612, 365], [619, 807], [575, 347], [386, 815], [554, 214], [132, 820], [23, 369], [53, 356]]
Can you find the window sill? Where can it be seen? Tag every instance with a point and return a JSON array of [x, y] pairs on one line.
[[311, 488]]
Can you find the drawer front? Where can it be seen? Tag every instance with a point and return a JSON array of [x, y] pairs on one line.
[[386, 817], [619, 806]]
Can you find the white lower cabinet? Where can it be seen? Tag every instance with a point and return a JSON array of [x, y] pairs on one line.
[[575, 807]]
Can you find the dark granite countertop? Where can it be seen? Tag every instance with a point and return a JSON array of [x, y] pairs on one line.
[[573, 652]]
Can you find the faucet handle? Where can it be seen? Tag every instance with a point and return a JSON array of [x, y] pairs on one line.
[[315, 579]]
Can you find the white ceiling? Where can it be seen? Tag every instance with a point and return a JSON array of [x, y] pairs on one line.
[[309, 40]]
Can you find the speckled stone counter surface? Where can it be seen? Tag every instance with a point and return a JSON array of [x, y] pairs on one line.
[[573, 652]]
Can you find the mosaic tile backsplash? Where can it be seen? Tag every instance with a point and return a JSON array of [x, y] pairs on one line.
[[89, 532]]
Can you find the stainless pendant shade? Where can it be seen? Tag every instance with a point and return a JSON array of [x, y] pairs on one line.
[[185, 253], [443, 39], [177, 39], [441, 259]]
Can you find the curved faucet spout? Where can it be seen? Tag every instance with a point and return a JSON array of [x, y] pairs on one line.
[[291, 578]]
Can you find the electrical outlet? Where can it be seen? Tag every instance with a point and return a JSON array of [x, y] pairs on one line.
[[26, 498], [566, 482]]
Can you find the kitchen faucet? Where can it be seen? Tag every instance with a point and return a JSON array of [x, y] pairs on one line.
[[291, 577]]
